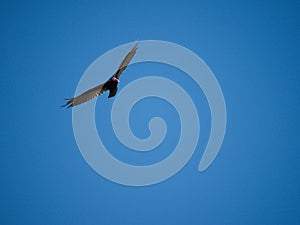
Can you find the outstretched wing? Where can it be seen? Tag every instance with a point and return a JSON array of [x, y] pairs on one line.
[[126, 61], [86, 96]]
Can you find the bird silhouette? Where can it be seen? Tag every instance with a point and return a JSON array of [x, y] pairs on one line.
[[110, 85]]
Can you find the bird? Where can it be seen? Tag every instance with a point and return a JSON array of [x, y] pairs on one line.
[[110, 85]]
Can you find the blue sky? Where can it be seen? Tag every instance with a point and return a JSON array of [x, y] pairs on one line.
[[251, 46]]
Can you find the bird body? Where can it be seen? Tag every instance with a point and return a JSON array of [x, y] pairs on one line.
[[110, 85]]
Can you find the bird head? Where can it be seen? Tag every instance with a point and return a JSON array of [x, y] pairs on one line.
[[115, 79]]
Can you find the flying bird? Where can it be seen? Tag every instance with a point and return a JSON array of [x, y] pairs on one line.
[[110, 85]]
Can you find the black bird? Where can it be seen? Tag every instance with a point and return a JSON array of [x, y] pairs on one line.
[[110, 85]]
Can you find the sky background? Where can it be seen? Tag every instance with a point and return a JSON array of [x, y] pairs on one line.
[[251, 46]]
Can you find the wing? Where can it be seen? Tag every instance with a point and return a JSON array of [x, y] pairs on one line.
[[126, 61], [86, 96]]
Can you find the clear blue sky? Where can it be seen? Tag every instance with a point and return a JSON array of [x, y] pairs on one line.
[[252, 48]]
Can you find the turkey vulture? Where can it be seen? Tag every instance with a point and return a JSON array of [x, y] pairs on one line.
[[110, 85]]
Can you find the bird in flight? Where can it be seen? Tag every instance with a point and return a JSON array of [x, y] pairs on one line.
[[110, 85]]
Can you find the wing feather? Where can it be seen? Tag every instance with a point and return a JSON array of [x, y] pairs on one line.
[[126, 61], [86, 96]]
